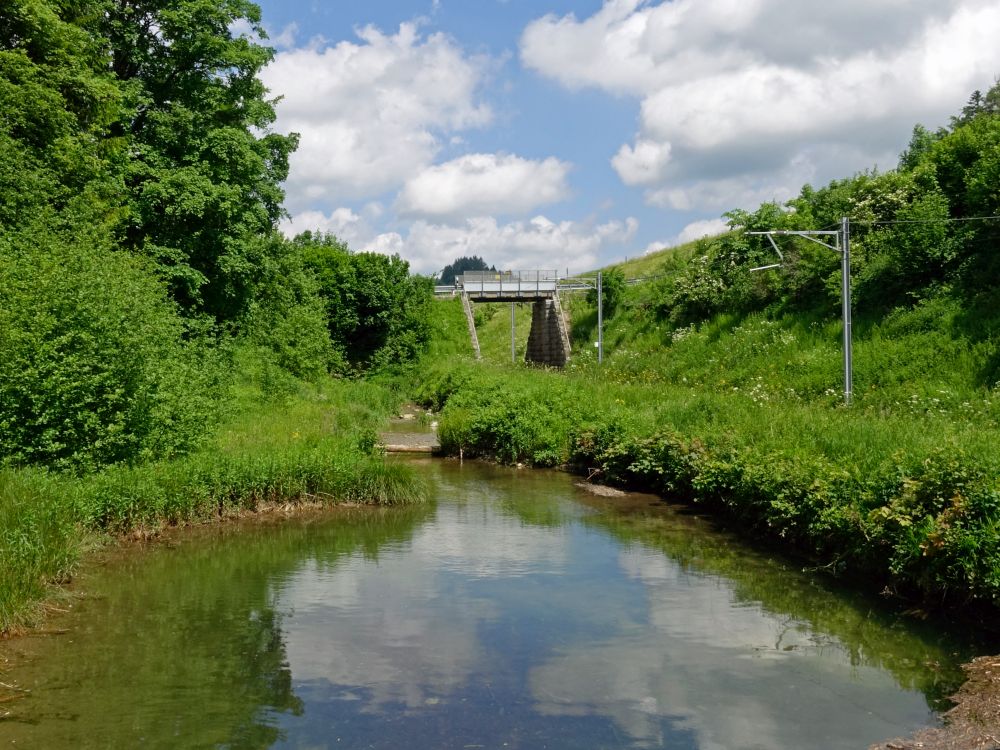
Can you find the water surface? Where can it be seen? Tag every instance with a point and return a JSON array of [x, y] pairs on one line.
[[516, 611]]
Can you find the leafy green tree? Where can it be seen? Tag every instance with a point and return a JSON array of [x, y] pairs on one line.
[[920, 144], [376, 311], [966, 165], [98, 367], [979, 104], [286, 315], [612, 291], [56, 102], [204, 171], [460, 265]]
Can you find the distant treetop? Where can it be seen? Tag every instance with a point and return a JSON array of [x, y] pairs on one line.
[[461, 265]]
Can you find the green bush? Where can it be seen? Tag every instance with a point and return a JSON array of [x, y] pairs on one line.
[[98, 367], [286, 317], [376, 311]]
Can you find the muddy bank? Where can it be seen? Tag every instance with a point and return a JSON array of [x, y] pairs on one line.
[[974, 722]]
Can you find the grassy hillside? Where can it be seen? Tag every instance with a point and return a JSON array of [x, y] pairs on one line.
[[744, 414]]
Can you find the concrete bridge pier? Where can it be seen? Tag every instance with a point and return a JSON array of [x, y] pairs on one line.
[[548, 341]]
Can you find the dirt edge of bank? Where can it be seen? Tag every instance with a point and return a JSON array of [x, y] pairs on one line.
[[974, 722]]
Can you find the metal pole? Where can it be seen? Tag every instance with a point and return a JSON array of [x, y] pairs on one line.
[[845, 273], [600, 320], [513, 356]]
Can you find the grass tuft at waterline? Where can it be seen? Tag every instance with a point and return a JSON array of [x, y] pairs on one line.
[[317, 444]]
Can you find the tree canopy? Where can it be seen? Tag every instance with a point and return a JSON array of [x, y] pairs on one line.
[[459, 266], [203, 177], [376, 311], [140, 190]]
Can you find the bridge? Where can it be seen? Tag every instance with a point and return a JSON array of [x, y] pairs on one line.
[[548, 341]]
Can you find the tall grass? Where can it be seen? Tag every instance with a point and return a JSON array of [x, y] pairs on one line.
[[318, 444], [39, 540]]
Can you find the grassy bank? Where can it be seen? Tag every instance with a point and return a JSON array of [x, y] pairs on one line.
[[743, 414], [310, 442]]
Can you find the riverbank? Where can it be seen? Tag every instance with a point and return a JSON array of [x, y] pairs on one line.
[[974, 722], [908, 505], [317, 444], [876, 501]]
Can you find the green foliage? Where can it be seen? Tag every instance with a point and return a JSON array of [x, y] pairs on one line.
[[979, 104], [905, 245], [57, 100], [315, 444], [906, 500], [38, 541], [376, 311], [204, 172], [612, 291], [95, 368], [148, 117], [920, 145], [286, 316], [693, 294], [459, 266]]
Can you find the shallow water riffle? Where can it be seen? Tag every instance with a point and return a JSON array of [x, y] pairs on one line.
[[515, 611]]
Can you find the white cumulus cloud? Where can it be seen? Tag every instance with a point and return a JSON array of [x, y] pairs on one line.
[[372, 113], [484, 184], [342, 222], [736, 94], [536, 244], [642, 164], [539, 243], [698, 229]]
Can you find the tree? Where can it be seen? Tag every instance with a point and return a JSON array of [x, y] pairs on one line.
[[57, 100], [612, 291], [376, 311], [920, 145], [460, 265], [979, 104], [204, 171]]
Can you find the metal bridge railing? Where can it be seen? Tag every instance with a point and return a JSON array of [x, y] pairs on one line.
[[510, 282]]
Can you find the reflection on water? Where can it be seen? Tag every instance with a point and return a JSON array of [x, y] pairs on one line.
[[516, 612]]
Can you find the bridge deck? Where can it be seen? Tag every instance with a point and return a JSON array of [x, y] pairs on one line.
[[509, 286]]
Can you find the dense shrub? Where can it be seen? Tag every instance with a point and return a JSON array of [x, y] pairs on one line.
[[97, 368], [286, 316], [376, 311]]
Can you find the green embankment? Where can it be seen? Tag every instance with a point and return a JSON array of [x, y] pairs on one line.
[[316, 443], [743, 413], [159, 334]]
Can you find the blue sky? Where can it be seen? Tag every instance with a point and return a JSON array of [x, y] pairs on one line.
[[558, 134]]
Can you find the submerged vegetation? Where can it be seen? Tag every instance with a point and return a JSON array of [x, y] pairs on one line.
[[724, 387]]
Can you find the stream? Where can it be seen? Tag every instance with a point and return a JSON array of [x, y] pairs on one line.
[[517, 610]]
